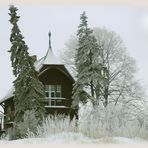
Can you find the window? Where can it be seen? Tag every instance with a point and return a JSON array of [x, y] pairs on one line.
[[53, 91]]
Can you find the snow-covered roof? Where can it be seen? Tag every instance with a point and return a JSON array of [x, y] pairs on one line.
[[8, 95], [49, 59]]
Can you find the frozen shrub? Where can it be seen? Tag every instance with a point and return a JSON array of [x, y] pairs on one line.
[[101, 122], [55, 124], [112, 121]]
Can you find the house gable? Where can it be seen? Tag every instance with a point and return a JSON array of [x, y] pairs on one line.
[[53, 74]]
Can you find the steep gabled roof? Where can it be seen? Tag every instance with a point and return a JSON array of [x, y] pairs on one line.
[[49, 59]]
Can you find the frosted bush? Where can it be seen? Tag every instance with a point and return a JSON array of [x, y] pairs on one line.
[[55, 124], [112, 121]]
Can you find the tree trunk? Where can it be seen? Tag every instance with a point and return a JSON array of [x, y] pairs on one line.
[[91, 83], [92, 89], [106, 97]]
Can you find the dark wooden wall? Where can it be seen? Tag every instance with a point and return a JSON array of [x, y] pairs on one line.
[[9, 113], [53, 76]]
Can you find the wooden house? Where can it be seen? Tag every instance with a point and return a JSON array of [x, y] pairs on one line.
[[58, 84]]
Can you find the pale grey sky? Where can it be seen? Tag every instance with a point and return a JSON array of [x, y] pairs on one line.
[[36, 21]]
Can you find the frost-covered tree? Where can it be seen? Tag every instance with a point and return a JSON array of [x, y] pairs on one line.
[[29, 91], [120, 86], [89, 71], [68, 53]]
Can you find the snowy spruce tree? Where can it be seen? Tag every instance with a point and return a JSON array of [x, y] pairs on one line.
[[89, 71], [29, 91]]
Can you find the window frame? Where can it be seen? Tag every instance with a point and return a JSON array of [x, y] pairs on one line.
[[52, 91]]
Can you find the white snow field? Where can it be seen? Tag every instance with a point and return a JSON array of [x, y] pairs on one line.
[[75, 138]]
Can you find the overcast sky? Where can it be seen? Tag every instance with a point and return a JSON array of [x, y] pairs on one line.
[[131, 23]]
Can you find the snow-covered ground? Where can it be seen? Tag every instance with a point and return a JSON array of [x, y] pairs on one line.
[[75, 138]]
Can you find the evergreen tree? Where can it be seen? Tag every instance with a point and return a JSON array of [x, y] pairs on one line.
[[29, 91], [88, 68]]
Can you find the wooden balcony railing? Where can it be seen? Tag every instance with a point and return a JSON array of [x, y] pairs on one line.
[[56, 102]]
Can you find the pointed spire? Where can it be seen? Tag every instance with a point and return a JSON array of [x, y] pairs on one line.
[[49, 39], [50, 58]]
